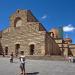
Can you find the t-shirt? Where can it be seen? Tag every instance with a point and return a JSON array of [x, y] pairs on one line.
[[22, 59]]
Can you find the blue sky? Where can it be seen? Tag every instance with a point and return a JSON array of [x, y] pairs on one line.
[[51, 13]]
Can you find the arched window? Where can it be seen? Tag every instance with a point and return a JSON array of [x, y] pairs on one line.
[[18, 22]]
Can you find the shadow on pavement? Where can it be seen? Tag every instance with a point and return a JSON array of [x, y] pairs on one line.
[[34, 73]]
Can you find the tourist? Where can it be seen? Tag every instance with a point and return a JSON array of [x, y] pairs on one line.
[[11, 57], [3, 54], [22, 63], [70, 58]]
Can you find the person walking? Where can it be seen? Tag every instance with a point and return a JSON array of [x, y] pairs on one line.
[[22, 63], [11, 57]]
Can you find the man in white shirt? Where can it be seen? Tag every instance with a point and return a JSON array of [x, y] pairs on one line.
[[22, 63]]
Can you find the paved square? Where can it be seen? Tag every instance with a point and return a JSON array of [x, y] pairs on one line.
[[42, 67]]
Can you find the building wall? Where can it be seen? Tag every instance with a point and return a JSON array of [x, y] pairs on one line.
[[28, 34], [72, 49], [25, 35], [25, 32], [66, 48], [25, 39], [62, 46], [52, 47]]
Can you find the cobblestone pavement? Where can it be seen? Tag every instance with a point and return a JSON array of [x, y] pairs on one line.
[[38, 67]]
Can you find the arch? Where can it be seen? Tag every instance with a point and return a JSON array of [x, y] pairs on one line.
[[32, 47], [6, 50], [32, 43], [17, 46], [17, 22]]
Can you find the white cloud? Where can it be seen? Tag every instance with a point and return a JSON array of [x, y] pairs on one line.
[[68, 28], [44, 16]]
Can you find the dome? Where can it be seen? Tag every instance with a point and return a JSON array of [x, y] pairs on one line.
[[56, 32]]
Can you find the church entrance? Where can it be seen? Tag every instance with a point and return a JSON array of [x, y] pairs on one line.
[[1, 49], [17, 46], [31, 49], [6, 50]]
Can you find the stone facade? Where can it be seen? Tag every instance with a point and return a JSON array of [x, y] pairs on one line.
[[26, 34]]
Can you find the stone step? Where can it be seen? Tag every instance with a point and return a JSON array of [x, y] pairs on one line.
[[45, 57]]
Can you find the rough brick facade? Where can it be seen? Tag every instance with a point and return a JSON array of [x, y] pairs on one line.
[[27, 34]]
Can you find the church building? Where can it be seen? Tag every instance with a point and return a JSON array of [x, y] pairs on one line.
[[26, 34]]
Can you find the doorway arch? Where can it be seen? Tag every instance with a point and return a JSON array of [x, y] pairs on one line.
[[31, 49], [6, 50], [17, 46]]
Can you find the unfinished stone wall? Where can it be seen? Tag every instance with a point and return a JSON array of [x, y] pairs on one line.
[[24, 36], [28, 35]]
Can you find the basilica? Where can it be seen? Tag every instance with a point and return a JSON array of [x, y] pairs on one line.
[[26, 34]]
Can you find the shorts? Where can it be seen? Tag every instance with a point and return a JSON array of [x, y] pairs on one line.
[[22, 66]]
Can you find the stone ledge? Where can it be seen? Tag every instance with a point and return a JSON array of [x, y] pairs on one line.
[[60, 58]]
